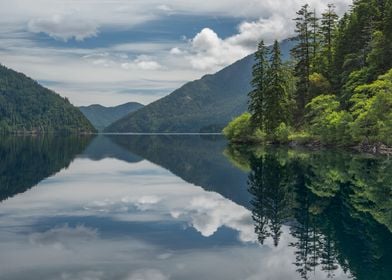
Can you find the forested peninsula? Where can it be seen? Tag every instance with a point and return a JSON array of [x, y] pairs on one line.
[[335, 91]]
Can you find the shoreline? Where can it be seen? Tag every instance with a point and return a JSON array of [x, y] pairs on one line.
[[376, 149]]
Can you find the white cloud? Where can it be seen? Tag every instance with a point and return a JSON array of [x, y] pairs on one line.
[[209, 52], [64, 27], [142, 62], [165, 65], [64, 237], [176, 51], [28, 246]]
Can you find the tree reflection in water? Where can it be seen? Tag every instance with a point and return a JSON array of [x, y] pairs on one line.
[[338, 207]]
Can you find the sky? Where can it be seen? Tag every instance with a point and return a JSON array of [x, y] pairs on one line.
[[114, 51]]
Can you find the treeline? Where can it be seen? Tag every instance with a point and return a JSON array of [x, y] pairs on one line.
[[27, 107], [337, 89]]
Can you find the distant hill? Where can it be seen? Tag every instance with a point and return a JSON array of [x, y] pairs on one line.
[[26, 106], [205, 105], [101, 116]]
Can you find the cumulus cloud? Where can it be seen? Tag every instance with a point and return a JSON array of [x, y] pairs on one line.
[[211, 52], [208, 213], [165, 65], [64, 27]]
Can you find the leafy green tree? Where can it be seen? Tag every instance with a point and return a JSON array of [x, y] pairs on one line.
[[327, 121], [241, 130], [372, 111], [318, 85]]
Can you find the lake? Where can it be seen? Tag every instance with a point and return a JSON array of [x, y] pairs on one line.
[[159, 207]]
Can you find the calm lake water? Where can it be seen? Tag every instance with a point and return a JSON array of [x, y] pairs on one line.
[[190, 207]]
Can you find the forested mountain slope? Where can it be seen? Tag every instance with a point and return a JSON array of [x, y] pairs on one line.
[[204, 105], [26, 106]]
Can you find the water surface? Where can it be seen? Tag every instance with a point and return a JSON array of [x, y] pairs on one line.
[[190, 207]]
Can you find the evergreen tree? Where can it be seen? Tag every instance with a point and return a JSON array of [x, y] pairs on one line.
[[302, 54], [328, 31], [275, 97], [257, 95], [315, 41], [387, 30]]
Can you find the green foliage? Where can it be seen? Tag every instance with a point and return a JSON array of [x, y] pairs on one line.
[[259, 84], [355, 79], [318, 85], [372, 111], [302, 54], [335, 67], [328, 32], [269, 102], [282, 133], [301, 137], [327, 121], [25, 106], [239, 129]]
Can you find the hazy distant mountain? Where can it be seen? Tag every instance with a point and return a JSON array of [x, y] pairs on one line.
[[205, 105], [101, 116], [26, 106]]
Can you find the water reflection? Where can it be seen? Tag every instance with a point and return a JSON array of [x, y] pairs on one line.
[[25, 161], [338, 206], [186, 207]]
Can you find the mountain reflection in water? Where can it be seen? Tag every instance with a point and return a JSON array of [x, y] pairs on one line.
[[190, 207]]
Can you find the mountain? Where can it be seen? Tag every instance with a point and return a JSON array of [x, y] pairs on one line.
[[204, 105], [26, 106], [101, 116]]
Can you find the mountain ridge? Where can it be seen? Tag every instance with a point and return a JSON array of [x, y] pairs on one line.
[[204, 105], [101, 116]]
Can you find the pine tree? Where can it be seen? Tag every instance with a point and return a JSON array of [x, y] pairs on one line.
[[276, 92], [328, 33], [315, 41], [256, 103], [387, 30], [302, 54]]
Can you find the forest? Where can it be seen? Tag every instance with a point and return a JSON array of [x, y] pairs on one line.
[[28, 107], [337, 88]]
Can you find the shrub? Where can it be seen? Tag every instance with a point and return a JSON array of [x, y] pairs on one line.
[[282, 133], [241, 130]]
